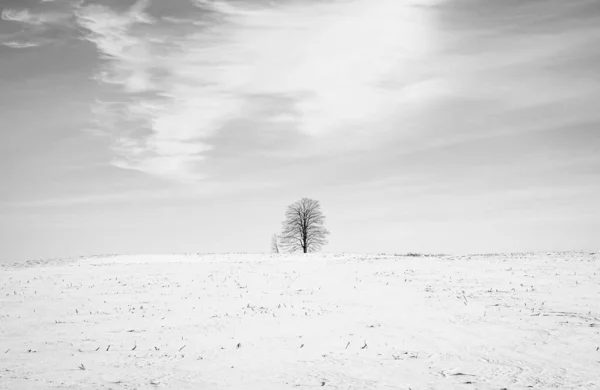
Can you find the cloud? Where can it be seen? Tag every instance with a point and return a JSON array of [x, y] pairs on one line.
[[20, 45], [341, 74], [128, 54], [330, 61], [25, 16], [36, 27], [20, 16], [131, 57]]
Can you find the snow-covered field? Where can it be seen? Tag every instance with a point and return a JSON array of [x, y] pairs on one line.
[[318, 321]]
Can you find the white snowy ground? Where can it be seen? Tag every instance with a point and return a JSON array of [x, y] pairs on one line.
[[278, 322]]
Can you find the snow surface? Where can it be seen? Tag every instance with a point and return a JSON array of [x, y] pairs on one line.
[[319, 321]]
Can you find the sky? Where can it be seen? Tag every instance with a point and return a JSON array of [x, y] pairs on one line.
[[438, 126]]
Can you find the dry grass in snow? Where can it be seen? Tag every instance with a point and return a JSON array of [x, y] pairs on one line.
[[299, 322]]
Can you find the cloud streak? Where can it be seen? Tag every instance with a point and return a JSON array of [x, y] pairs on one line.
[[25, 16], [20, 45], [32, 28]]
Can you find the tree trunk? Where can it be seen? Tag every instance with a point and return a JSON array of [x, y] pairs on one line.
[[305, 240]]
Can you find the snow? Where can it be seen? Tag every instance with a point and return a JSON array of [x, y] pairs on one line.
[[516, 321]]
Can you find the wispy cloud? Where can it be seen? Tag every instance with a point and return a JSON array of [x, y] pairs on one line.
[[126, 53], [20, 45], [25, 16], [330, 61], [32, 28], [340, 74]]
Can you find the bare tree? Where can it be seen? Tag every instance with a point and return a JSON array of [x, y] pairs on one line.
[[274, 244], [303, 227]]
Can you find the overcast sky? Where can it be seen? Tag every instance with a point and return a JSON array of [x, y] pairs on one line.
[[189, 125]]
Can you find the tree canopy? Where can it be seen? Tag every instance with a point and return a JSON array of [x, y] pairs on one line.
[[303, 228]]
